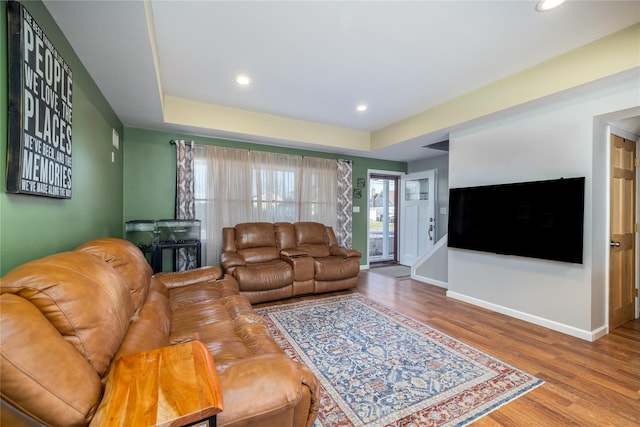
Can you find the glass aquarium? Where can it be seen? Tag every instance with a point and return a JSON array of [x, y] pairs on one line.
[[142, 233], [178, 230]]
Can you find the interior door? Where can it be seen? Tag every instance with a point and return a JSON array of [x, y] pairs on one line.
[[622, 292], [417, 216]]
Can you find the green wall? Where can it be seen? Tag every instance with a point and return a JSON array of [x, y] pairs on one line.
[[33, 226], [149, 175]]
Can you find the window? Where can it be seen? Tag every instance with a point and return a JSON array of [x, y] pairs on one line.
[[234, 186]]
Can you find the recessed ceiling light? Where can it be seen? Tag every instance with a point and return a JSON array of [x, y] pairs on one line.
[[545, 5], [362, 107], [243, 80]]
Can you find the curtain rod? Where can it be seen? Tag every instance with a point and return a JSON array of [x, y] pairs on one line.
[[173, 142]]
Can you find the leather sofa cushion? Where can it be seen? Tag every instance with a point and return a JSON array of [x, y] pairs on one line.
[[83, 298], [200, 292], [312, 237], [67, 392], [151, 327], [335, 268], [127, 260], [252, 255], [265, 275], [199, 312], [255, 235], [227, 325]]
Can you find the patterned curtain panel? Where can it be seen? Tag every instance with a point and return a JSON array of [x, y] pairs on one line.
[[345, 203], [185, 201]]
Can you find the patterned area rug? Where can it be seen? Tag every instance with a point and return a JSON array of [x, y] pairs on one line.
[[378, 367]]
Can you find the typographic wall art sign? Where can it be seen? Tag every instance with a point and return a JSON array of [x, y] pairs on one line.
[[40, 110]]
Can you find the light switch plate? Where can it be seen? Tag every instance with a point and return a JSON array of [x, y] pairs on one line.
[[116, 139]]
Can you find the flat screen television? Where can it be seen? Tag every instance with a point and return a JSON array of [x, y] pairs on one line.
[[538, 219]]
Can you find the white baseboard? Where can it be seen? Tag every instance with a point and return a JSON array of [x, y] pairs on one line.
[[540, 321], [430, 281]]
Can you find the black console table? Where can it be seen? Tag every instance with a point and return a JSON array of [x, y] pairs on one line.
[[156, 256]]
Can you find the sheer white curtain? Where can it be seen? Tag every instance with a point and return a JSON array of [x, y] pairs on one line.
[[222, 193], [276, 186], [318, 196], [234, 186]]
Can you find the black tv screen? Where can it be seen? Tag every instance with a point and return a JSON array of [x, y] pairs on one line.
[[539, 219]]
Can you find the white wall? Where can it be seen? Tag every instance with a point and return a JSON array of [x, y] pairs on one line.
[[557, 138], [432, 267]]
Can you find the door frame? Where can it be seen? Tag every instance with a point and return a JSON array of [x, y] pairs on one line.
[[397, 226]]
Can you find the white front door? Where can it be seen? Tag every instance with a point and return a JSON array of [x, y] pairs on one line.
[[417, 215]]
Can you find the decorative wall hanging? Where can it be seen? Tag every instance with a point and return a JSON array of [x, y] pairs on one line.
[[40, 107]]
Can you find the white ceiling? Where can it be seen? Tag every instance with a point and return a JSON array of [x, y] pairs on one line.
[[315, 61]]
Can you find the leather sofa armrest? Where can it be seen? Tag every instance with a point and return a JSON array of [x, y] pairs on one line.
[[344, 252], [188, 277], [272, 381], [301, 263], [229, 260], [293, 253]]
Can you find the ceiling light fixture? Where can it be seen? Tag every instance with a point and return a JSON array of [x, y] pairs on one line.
[[243, 80], [362, 107], [545, 5]]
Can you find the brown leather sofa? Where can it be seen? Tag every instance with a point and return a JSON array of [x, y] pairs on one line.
[[67, 317], [272, 261]]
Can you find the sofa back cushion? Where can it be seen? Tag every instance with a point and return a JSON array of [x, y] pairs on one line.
[[312, 238], [256, 242], [151, 326], [229, 239], [82, 297], [128, 261], [285, 235], [333, 240], [43, 375]]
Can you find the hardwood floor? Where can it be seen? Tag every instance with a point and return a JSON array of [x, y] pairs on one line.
[[586, 383]]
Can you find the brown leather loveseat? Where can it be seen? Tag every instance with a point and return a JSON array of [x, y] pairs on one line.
[[272, 261], [67, 317]]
